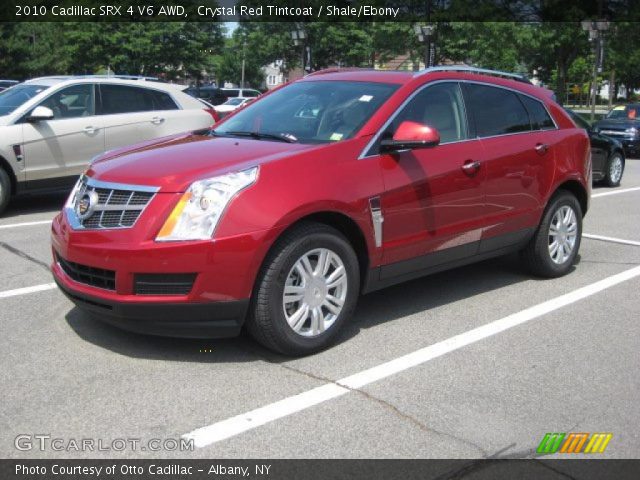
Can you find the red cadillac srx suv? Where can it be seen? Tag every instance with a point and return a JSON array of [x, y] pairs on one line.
[[339, 184]]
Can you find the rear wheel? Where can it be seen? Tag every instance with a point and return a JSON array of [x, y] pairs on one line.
[[308, 288], [554, 247], [5, 189], [614, 170]]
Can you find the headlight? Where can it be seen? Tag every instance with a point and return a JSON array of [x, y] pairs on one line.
[[198, 211], [632, 131], [71, 200]]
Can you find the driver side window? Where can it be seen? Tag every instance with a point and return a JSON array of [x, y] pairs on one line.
[[71, 102], [439, 106]]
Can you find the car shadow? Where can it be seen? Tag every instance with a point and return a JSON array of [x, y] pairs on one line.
[[41, 203], [384, 306]]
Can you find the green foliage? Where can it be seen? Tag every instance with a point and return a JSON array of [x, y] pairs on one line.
[[167, 49]]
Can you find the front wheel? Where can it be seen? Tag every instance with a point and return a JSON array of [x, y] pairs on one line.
[[615, 168], [554, 247], [307, 289]]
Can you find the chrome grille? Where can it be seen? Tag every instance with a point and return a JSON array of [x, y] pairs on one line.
[[110, 205]]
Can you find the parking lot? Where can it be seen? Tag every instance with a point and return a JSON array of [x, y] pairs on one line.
[[481, 361]]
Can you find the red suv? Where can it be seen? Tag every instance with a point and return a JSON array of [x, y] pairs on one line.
[[339, 184]]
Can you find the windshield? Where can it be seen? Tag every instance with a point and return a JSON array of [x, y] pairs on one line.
[[234, 101], [13, 97], [622, 111], [311, 112]]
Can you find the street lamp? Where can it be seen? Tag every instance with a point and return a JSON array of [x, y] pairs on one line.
[[299, 37], [425, 32], [596, 36]]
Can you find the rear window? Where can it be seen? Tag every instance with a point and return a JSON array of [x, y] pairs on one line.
[[16, 96], [125, 99], [496, 111], [540, 119]]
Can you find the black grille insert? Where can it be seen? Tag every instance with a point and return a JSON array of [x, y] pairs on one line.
[[95, 277], [163, 283]]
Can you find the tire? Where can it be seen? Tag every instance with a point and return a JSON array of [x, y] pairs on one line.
[[272, 318], [5, 189], [614, 170], [538, 255]]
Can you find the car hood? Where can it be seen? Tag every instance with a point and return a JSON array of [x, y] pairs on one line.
[[617, 123], [173, 163]]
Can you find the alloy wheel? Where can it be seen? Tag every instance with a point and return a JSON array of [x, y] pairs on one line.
[[563, 232], [315, 292]]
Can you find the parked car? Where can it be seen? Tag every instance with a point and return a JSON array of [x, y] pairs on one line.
[[217, 96], [51, 127], [622, 123], [4, 84], [607, 154], [232, 104], [338, 184]]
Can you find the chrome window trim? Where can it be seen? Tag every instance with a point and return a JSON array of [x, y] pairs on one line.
[[70, 213], [364, 154]]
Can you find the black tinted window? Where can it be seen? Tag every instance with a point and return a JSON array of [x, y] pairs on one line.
[[439, 106], [162, 101], [496, 111], [540, 119], [125, 99], [231, 92]]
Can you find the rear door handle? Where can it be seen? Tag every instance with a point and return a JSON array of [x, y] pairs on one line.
[[157, 120], [471, 167], [90, 130], [542, 148]]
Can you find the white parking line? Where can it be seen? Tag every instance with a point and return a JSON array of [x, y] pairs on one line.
[[247, 421], [25, 224], [26, 290], [611, 239], [614, 192]]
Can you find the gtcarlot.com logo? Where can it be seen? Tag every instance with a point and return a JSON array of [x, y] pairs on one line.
[[46, 442], [574, 442]]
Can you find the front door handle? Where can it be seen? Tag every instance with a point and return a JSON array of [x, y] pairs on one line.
[[542, 148], [471, 167], [157, 120], [90, 130]]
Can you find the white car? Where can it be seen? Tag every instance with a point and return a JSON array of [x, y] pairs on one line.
[[51, 127], [232, 104]]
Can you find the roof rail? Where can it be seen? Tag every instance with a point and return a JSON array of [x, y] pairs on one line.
[[121, 77], [480, 71], [336, 69]]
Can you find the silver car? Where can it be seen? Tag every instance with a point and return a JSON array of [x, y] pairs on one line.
[[51, 127]]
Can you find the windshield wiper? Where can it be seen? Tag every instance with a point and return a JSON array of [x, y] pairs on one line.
[[282, 137]]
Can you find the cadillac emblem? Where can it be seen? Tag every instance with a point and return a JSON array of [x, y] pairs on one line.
[[86, 204]]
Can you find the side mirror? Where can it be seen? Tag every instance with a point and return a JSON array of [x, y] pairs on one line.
[[40, 113], [409, 136]]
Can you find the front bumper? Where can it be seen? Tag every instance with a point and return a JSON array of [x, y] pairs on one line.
[[214, 306], [631, 148], [185, 320]]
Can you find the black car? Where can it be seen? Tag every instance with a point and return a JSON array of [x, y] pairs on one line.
[[217, 96], [607, 154], [623, 123]]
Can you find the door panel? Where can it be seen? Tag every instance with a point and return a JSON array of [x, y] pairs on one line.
[[519, 170], [519, 141], [430, 204], [64, 145], [433, 203]]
